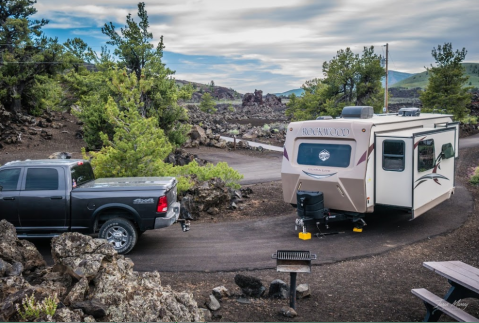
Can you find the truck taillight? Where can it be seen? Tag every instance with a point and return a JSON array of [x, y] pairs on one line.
[[162, 204]]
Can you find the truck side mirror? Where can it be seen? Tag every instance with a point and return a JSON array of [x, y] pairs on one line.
[[1, 188]]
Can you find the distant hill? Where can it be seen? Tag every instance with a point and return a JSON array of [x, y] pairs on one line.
[[421, 79], [297, 92], [395, 77], [219, 93]]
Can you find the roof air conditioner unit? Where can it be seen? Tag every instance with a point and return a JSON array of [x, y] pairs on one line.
[[409, 112], [361, 112]]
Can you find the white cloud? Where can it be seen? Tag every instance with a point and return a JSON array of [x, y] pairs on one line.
[[288, 37]]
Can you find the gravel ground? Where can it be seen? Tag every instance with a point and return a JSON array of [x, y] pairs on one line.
[[376, 288]]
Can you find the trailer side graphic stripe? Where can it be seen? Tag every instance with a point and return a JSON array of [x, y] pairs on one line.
[[285, 154], [417, 143], [368, 152], [432, 176]]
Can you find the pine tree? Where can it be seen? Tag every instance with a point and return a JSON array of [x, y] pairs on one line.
[[136, 53], [26, 56], [207, 104], [349, 79], [138, 146], [445, 90]]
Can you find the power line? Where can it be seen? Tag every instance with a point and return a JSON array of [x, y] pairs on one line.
[[6, 63]]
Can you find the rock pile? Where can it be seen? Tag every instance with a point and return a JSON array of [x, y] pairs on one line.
[[198, 136], [467, 130], [15, 127], [250, 99], [92, 282], [474, 106], [181, 157], [210, 196], [256, 99], [208, 127]]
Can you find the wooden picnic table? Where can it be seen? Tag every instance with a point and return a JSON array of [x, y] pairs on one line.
[[464, 281]]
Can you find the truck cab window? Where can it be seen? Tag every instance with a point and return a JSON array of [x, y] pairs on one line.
[[9, 179], [41, 179], [393, 155], [82, 174], [425, 154]]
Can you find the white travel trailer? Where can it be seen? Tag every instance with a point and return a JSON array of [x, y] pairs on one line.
[[337, 169]]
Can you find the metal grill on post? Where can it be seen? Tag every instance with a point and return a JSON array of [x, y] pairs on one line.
[[293, 262]]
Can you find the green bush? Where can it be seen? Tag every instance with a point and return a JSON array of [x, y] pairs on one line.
[[279, 127], [234, 132], [266, 127], [193, 170], [475, 178], [139, 147], [31, 309], [469, 119]]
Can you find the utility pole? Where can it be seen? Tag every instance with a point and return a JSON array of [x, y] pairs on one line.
[[386, 89]]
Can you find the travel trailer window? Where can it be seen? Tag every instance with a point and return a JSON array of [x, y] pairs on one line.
[[393, 155], [425, 155], [327, 155]]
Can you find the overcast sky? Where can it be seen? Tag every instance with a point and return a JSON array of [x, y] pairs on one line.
[[275, 45]]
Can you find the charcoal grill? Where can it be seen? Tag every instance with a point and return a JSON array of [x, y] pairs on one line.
[[293, 262]]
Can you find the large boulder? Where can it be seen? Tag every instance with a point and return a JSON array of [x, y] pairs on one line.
[[211, 193], [14, 251], [253, 99], [278, 289], [197, 133], [81, 256], [91, 280], [123, 294], [250, 286]]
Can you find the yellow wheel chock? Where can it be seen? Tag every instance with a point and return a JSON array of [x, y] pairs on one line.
[[305, 235]]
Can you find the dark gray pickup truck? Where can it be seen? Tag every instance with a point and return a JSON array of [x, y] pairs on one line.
[[44, 198]]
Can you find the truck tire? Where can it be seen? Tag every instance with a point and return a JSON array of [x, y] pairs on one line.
[[120, 233]]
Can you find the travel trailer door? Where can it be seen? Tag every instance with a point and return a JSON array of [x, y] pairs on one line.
[[394, 170], [415, 168], [434, 168]]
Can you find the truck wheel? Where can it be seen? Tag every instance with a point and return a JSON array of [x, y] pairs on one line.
[[120, 233]]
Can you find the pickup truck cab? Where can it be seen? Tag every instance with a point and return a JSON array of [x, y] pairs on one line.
[[44, 198]]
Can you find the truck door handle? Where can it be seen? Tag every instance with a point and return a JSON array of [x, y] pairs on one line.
[[11, 198], [56, 198]]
